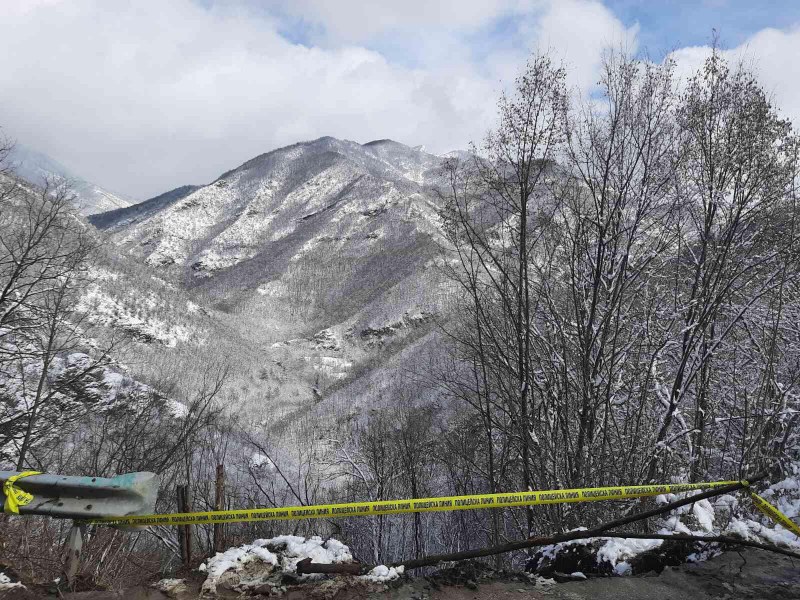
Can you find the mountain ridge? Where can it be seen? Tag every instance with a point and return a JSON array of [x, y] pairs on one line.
[[320, 254], [141, 209]]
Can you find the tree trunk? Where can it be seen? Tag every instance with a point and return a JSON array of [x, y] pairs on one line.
[[219, 504]]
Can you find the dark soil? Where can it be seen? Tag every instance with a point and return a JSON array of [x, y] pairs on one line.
[[754, 574]]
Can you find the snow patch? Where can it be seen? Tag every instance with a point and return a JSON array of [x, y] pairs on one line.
[[618, 550], [171, 587], [577, 575], [623, 568], [259, 460], [382, 573], [178, 409], [704, 513], [7, 584], [256, 564]]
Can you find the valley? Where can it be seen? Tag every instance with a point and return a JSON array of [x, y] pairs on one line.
[[310, 266]]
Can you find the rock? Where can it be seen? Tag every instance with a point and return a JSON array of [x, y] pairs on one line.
[[289, 579], [326, 340], [229, 581], [171, 587]]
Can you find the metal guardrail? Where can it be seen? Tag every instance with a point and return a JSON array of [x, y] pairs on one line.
[[80, 498]]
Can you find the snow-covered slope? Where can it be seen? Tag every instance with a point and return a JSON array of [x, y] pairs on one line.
[[128, 215], [35, 167], [282, 197], [321, 255]]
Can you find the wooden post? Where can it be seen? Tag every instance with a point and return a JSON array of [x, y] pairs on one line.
[[219, 504], [184, 531]]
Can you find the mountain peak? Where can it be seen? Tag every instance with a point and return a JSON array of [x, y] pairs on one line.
[[290, 201]]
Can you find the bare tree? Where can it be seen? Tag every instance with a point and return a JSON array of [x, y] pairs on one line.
[[45, 354], [738, 172], [488, 217], [660, 258]]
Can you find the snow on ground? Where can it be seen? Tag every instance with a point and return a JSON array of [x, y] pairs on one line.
[[264, 561], [234, 559], [785, 495], [703, 513], [104, 309], [382, 573], [262, 565], [618, 551], [732, 515], [615, 553], [333, 366], [178, 409], [6, 583], [258, 461]]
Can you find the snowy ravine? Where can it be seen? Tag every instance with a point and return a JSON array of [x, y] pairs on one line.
[[315, 264]]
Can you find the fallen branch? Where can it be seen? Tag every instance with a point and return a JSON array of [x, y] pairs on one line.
[[598, 531], [305, 566]]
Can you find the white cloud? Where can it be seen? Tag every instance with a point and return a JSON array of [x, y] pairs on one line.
[[144, 96], [578, 32]]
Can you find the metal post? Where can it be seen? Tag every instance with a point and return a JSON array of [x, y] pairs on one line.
[[74, 548]]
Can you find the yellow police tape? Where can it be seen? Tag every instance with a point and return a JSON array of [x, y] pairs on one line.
[[388, 507], [773, 513], [16, 497]]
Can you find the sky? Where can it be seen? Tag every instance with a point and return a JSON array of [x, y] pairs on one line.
[[141, 96]]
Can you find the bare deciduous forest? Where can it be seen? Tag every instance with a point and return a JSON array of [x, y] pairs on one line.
[[622, 276]]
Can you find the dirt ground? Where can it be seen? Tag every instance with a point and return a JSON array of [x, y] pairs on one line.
[[747, 574]]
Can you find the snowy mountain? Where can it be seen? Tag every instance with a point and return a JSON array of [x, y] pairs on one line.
[[280, 197], [35, 167], [319, 258], [140, 211]]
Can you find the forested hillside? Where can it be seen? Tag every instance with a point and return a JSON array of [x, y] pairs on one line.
[[603, 291]]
